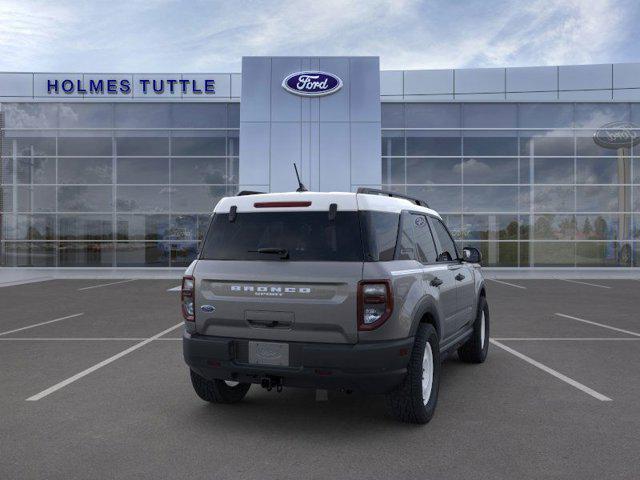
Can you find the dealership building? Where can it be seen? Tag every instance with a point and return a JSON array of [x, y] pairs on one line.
[[535, 166]]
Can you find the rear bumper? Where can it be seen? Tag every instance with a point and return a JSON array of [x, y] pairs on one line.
[[375, 367]]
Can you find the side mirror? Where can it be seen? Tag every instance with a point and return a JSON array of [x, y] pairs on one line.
[[471, 255]]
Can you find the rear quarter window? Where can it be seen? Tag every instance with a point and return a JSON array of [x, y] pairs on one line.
[[380, 233]]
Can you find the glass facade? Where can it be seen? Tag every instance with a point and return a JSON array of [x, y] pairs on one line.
[[524, 182], [112, 184], [115, 184]]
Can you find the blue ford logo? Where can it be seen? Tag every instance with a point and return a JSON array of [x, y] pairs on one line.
[[207, 308], [312, 83]]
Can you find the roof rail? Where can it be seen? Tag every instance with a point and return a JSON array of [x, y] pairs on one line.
[[375, 191], [247, 192]]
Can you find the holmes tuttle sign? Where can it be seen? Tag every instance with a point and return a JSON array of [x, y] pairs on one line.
[[312, 83]]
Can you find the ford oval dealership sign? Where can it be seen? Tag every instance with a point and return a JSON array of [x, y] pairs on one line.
[[312, 83]]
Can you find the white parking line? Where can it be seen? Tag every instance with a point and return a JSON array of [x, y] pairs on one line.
[[42, 323], [560, 339], [175, 289], [507, 283], [97, 366], [106, 284], [584, 283], [629, 332], [553, 372]]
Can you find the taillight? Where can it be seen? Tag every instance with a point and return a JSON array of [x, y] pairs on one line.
[[187, 298], [375, 303]]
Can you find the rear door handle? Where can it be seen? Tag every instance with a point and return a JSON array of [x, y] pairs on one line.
[[436, 282], [459, 277]]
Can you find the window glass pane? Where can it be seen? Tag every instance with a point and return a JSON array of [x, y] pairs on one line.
[[490, 199], [636, 170], [142, 146], [525, 227], [554, 199], [142, 170], [490, 227], [488, 115], [585, 145], [199, 115], [183, 253], [40, 254], [143, 199], [30, 115], [85, 199], [545, 115], [85, 170], [433, 143], [233, 114], [85, 227], [199, 170], [598, 114], [211, 145], [490, 170], [29, 146], [393, 170], [603, 170], [6, 170], [36, 227], [36, 170], [553, 254], [432, 115], [36, 199], [392, 143], [233, 174], [553, 170], [392, 115], [491, 144], [424, 241], [603, 199], [142, 227], [441, 199], [90, 115], [142, 115], [602, 226], [546, 144], [93, 146], [554, 227], [454, 224], [603, 254], [434, 170], [407, 247], [203, 225], [446, 248], [233, 143], [80, 254], [183, 227], [380, 232], [195, 199], [6, 199], [497, 254], [139, 254]]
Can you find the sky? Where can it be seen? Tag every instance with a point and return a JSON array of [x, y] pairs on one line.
[[212, 36]]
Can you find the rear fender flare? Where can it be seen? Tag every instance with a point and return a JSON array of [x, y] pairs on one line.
[[426, 306]]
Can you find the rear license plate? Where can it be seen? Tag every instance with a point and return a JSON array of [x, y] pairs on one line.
[[269, 353]]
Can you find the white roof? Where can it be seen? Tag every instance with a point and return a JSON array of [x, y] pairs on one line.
[[319, 201]]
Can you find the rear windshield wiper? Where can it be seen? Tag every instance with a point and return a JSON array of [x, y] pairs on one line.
[[283, 252]]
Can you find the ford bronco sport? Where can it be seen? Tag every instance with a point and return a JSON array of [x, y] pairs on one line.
[[361, 291]]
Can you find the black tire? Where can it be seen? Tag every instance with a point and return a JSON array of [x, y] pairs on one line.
[[406, 403], [475, 349], [217, 391]]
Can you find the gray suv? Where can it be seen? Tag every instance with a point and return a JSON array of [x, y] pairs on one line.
[[361, 291]]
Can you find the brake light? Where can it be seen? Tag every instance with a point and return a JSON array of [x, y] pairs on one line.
[[187, 298], [375, 303], [281, 204]]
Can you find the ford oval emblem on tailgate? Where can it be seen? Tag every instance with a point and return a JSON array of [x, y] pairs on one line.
[[207, 308]]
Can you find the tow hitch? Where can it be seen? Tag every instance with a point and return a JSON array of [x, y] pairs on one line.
[[270, 382]]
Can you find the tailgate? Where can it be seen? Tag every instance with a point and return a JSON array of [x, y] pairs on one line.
[[278, 300]]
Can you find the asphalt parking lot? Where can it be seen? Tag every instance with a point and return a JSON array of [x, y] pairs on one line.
[[93, 385]]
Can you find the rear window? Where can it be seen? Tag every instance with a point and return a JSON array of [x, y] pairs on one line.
[[306, 236]]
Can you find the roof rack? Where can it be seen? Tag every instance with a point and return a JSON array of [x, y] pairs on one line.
[[375, 191], [247, 192]]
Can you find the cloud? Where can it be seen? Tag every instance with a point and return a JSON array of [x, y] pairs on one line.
[[172, 36]]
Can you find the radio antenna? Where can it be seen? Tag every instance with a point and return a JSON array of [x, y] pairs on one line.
[[301, 187]]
